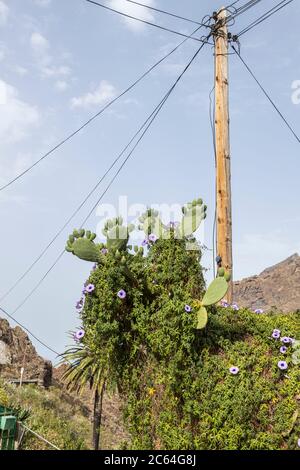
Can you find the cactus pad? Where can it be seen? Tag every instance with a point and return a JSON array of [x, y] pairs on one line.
[[82, 245], [215, 292], [193, 214], [202, 318], [117, 234]]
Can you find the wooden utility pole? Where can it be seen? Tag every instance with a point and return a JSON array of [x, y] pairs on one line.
[[223, 176]]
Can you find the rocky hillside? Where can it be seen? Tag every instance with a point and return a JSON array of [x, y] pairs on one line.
[[17, 351], [275, 288]]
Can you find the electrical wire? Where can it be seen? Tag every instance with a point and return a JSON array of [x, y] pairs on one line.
[[90, 120], [144, 21], [29, 332], [38, 436], [163, 12], [239, 11], [147, 125], [60, 231], [264, 17], [267, 96]]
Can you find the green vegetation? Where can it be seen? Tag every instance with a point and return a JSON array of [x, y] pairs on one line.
[[50, 415], [161, 341]]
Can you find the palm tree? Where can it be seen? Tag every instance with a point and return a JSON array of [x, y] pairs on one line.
[[83, 369]]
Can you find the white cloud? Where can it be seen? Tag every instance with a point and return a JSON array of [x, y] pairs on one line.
[[41, 48], [16, 116], [133, 10], [4, 12], [39, 44], [61, 85], [53, 71], [104, 92], [42, 3]]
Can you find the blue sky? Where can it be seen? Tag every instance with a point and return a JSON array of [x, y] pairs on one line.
[[60, 61]]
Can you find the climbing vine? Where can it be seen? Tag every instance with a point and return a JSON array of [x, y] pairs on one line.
[[193, 375]]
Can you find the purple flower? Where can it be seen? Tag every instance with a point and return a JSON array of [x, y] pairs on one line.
[[258, 310], [188, 309], [121, 294], [298, 442], [235, 307], [282, 365], [152, 238], [234, 370], [224, 304], [286, 340], [90, 288], [283, 349], [104, 251], [275, 335], [145, 242], [79, 335]]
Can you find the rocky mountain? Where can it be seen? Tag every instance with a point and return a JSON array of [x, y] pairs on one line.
[[17, 351], [276, 288]]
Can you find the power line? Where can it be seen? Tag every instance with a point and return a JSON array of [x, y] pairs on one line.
[[246, 7], [265, 16], [89, 121], [29, 331], [126, 15], [28, 270], [267, 95], [163, 11], [145, 125]]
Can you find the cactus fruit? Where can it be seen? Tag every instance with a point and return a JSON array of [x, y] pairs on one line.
[[83, 246], [221, 272], [202, 318], [227, 277], [215, 292]]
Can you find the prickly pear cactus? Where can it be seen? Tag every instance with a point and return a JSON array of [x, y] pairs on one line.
[[117, 234], [215, 292], [82, 245], [193, 214], [151, 223]]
